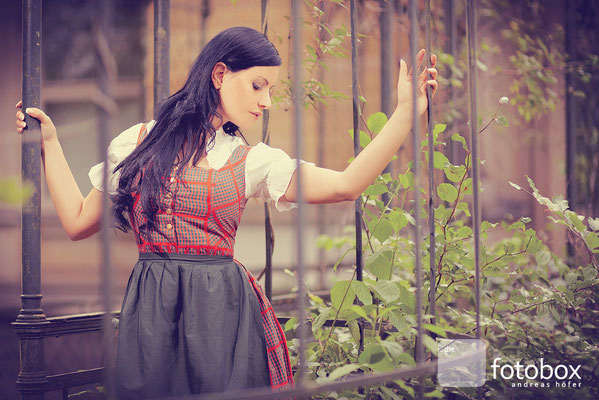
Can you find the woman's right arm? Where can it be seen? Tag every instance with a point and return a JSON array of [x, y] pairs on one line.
[[80, 216]]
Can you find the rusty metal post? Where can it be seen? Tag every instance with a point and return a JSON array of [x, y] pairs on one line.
[[106, 72], [386, 55], [298, 126], [268, 230], [32, 376], [472, 75], [417, 204], [431, 168], [162, 33], [356, 125]]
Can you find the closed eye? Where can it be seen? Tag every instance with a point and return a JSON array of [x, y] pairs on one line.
[[257, 87]]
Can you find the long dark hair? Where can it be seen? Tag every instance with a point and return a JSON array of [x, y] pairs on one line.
[[184, 123]]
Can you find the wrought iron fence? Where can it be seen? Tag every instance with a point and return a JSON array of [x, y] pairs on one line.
[[32, 326]]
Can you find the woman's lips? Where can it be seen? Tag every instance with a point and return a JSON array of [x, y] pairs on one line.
[[257, 115]]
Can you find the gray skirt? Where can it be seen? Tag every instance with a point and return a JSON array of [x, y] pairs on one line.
[[189, 324]]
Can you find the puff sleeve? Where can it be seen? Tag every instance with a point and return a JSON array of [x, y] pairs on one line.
[[268, 174], [120, 147]]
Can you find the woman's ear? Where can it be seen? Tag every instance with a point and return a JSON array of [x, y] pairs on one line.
[[218, 74]]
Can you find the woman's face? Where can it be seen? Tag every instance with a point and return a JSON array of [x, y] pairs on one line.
[[244, 94]]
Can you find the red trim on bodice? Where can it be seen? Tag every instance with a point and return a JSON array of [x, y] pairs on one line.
[[199, 212]]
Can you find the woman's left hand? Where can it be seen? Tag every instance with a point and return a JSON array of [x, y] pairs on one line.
[[425, 78]]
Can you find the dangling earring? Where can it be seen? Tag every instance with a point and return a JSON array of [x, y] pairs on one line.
[[230, 127]]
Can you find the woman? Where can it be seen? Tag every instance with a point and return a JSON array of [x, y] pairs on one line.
[[193, 319]]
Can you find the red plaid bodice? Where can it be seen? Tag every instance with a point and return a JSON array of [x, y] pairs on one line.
[[200, 211]]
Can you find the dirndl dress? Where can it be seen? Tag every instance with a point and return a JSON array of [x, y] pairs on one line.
[[194, 320]]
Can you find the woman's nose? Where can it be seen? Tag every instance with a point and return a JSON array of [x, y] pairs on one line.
[[265, 101]]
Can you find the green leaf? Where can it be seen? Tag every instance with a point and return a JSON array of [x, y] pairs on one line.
[[514, 185], [342, 371], [576, 220], [290, 324], [439, 160], [339, 299], [406, 358], [383, 230], [542, 257], [362, 292], [387, 290], [376, 189], [378, 265], [436, 394], [405, 183], [408, 389], [467, 186], [397, 219], [376, 122], [354, 330], [463, 206], [359, 311], [388, 393], [593, 223], [447, 192], [502, 121], [434, 328], [372, 354], [430, 344], [456, 137], [454, 173], [400, 323], [439, 128], [592, 240], [534, 245], [464, 231], [364, 138], [407, 298], [393, 348], [321, 319]]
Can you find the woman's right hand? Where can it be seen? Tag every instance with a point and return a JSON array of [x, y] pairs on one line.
[[47, 126]]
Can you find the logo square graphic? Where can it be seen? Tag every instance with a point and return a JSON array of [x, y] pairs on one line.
[[462, 362]]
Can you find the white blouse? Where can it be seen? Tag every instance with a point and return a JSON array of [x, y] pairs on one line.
[[268, 170]]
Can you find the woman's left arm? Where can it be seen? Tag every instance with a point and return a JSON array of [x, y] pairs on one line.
[[322, 185]]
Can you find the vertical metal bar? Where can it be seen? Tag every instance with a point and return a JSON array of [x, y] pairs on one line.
[[472, 79], [451, 47], [417, 205], [385, 20], [431, 167], [356, 124], [268, 231], [32, 376], [571, 114], [297, 121], [386, 53], [106, 68], [320, 155], [161, 50], [204, 13]]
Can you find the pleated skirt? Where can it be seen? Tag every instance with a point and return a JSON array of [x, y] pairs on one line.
[[191, 324]]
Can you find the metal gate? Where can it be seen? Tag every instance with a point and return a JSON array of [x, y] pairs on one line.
[[32, 326]]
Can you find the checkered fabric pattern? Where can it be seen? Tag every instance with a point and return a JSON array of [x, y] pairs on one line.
[[200, 213], [278, 357]]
